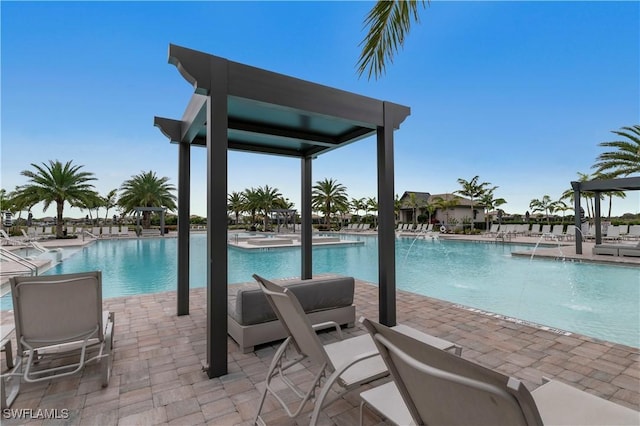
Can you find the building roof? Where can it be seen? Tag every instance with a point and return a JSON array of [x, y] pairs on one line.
[[426, 197]]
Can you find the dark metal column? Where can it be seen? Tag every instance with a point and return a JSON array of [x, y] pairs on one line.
[[386, 235], [306, 230], [597, 220], [217, 274], [184, 211], [577, 221]]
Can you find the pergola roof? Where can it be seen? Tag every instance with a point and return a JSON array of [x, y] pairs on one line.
[[273, 113], [620, 184]]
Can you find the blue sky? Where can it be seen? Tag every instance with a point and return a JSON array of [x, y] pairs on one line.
[[519, 93]]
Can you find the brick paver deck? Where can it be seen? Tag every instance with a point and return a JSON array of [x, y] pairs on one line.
[[157, 377]]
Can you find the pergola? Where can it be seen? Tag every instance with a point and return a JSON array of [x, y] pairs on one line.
[[161, 210], [239, 107], [597, 187]]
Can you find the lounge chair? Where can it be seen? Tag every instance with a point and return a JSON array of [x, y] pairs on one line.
[[558, 232], [9, 241], [609, 249], [60, 326], [535, 230], [629, 250], [347, 363], [493, 230], [613, 233], [634, 233], [570, 234], [439, 388]]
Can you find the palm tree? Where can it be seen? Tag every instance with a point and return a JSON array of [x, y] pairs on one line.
[[473, 190], [446, 204], [625, 160], [57, 183], [146, 190], [326, 195], [542, 205], [372, 206], [561, 206], [588, 195], [414, 203], [110, 201], [252, 203], [389, 23], [267, 197], [490, 204], [431, 209], [358, 204], [236, 203], [397, 206]]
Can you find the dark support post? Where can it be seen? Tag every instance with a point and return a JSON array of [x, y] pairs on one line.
[[217, 274], [386, 222], [577, 217], [597, 222], [184, 212], [306, 229]]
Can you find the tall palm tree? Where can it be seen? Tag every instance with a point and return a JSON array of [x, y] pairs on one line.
[[327, 194], [236, 202], [251, 203], [473, 190], [625, 159], [358, 204], [110, 201], [389, 23], [545, 204], [414, 203], [490, 203], [57, 183], [267, 197], [372, 206], [147, 190]]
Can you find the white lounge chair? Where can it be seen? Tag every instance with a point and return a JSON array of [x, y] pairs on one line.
[[634, 232], [347, 363], [124, 231], [629, 250], [10, 241], [438, 388], [613, 233], [59, 318], [493, 230]]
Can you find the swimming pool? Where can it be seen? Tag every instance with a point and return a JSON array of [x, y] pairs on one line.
[[596, 300]]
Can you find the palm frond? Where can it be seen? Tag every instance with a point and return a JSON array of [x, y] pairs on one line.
[[389, 23]]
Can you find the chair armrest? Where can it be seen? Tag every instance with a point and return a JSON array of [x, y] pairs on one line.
[[328, 324]]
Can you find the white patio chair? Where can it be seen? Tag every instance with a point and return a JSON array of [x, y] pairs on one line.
[[439, 388], [60, 326]]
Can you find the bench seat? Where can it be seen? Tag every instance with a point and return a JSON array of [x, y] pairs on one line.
[[251, 321]]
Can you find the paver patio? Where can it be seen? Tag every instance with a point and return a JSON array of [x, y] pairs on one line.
[[157, 377]]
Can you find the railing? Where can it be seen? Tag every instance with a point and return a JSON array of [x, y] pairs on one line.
[[12, 257]]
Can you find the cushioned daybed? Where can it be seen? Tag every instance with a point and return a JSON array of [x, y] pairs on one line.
[[251, 321]]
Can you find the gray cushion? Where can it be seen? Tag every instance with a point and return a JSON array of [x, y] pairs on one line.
[[248, 305]]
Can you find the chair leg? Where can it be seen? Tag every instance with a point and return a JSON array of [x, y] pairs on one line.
[[107, 362]]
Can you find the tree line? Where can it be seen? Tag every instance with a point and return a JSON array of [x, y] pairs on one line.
[[57, 183]]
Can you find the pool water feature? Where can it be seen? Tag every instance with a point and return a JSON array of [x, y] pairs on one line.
[[601, 301]]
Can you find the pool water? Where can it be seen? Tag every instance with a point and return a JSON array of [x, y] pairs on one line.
[[596, 300]]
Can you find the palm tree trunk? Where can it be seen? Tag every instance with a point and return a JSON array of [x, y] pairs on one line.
[[60, 209]]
